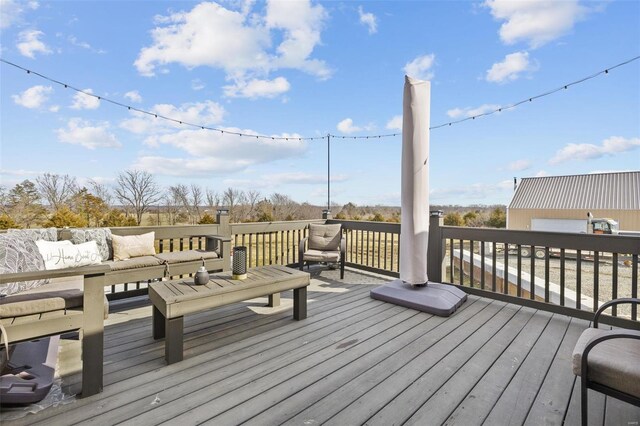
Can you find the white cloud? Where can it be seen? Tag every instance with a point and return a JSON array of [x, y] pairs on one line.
[[519, 165], [472, 112], [205, 113], [369, 20], [541, 173], [239, 41], [83, 101], [19, 172], [212, 152], [133, 96], [11, 11], [510, 68], [476, 192], [33, 97], [197, 84], [395, 123], [420, 67], [536, 22], [585, 151], [347, 126], [301, 178], [256, 88], [91, 136], [29, 43]]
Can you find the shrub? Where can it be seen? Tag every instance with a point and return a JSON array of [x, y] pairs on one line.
[[453, 219], [65, 217], [7, 222], [206, 219]]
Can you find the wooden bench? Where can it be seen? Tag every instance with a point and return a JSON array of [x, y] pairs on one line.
[[174, 299]]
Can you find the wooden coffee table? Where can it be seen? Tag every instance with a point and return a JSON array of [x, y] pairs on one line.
[[174, 299]]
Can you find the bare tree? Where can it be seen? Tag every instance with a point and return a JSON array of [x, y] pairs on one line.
[[252, 199], [284, 208], [102, 191], [180, 196], [213, 199], [232, 198], [57, 190], [196, 201], [137, 189]]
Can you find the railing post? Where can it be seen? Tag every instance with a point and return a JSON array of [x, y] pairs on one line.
[[436, 248], [222, 219], [326, 214]]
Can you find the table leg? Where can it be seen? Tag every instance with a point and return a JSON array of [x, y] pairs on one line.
[[300, 303], [174, 340], [158, 324], [274, 300]]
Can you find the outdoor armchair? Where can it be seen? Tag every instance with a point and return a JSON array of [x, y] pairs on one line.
[[608, 361], [325, 244]]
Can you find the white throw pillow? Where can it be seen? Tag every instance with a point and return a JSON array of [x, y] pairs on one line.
[[65, 254], [133, 246]]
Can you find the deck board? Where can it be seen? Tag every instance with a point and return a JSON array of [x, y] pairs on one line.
[[353, 360]]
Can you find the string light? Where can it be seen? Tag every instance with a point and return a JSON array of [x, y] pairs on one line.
[[221, 131]]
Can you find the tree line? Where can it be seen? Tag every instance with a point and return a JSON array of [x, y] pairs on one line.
[[135, 196], [58, 200]]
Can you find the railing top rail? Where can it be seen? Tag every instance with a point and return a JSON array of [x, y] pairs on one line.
[[603, 243], [258, 227], [362, 225]]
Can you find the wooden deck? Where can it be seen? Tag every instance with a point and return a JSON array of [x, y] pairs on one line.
[[354, 360]]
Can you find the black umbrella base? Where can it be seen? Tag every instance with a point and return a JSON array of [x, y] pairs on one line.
[[434, 298]]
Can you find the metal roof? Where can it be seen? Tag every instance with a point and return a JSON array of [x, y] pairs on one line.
[[616, 191]]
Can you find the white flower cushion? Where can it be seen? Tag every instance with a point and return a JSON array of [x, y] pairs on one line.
[[64, 254], [133, 246], [19, 254], [102, 236]]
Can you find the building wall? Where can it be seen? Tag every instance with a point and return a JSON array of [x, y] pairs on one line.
[[629, 220]]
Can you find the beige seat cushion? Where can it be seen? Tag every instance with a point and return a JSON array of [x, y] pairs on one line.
[[321, 256], [126, 247], [186, 256], [324, 237], [136, 262], [614, 363], [60, 293]]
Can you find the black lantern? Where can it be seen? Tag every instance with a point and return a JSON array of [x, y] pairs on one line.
[[239, 263]]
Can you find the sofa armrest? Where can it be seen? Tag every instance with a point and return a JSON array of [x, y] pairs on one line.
[[630, 300], [54, 273]]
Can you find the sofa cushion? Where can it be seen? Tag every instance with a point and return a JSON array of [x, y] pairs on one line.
[[324, 237], [102, 237], [136, 262], [126, 247], [61, 293], [321, 256], [19, 254], [65, 254], [48, 234], [613, 363], [186, 256]]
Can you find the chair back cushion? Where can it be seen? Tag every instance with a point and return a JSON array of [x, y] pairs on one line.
[[324, 237]]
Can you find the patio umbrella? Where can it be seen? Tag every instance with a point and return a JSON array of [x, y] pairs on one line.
[[413, 288]]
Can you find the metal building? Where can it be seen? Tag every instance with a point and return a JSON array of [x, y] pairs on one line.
[[605, 195]]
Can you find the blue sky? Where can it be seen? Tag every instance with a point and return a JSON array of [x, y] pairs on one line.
[[297, 68]]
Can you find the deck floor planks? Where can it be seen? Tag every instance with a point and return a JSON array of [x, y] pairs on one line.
[[553, 396], [246, 383], [457, 374], [516, 400], [224, 364], [348, 393], [369, 404], [146, 386], [333, 386]]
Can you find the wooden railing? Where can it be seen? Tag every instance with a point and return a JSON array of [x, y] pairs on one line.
[[372, 245], [563, 272], [271, 243]]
